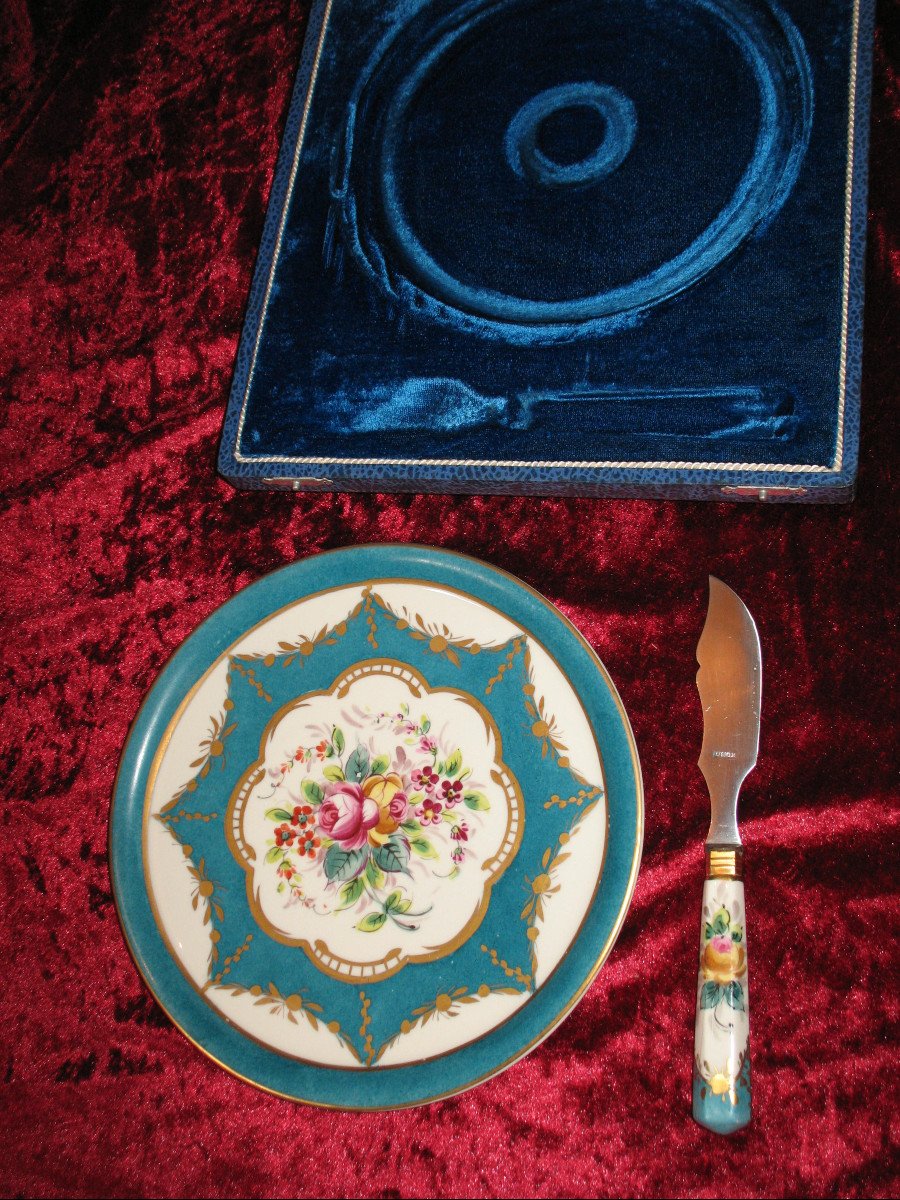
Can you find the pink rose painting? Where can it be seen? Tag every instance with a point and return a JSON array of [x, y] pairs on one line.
[[347, 815]]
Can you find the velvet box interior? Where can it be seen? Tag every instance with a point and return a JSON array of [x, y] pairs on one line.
[[563, 247]]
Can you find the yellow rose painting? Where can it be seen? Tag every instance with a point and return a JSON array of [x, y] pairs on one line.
[[723, 961]]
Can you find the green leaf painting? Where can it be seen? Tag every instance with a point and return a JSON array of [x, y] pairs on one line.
[[374, 874], [734, 996], [312, 791], [358, 765], [710, 995], [397, 903], [476, 801], [422, 847], [341, 865], [453, 764], [278, 814], [352, 891], [393, 856], [720, 922], [371, 923]]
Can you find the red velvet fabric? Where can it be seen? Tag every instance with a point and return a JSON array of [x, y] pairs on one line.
[[138, 140]]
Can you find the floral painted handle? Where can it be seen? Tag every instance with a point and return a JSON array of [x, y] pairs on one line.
[[721, 1090]]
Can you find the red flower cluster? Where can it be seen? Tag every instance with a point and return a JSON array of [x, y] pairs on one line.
[[284, 835], [308, 845], [303, 816], [430, 811], [451, 792], [426, 777]]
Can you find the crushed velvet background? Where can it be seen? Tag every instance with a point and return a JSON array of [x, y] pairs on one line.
[[137, 143]]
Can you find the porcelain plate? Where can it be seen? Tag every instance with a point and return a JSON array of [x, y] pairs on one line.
[[376, 827]]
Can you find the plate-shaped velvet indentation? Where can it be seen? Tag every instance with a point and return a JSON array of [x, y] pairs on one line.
[[705, 109]]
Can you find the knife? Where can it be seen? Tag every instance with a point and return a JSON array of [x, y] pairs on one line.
[[730, 685]]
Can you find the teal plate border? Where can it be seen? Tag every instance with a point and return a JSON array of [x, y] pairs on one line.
[[414, 1084]]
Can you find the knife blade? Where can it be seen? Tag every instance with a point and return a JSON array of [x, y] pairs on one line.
[[730, 685]]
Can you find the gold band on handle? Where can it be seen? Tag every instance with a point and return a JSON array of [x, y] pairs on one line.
[[725, 862]]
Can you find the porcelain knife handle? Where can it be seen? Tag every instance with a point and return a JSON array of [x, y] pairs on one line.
[[721, 1089]]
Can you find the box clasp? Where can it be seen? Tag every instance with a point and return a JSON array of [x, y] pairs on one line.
[[307, 483]]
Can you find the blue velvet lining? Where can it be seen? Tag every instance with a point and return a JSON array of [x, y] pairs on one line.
[[559, 230]]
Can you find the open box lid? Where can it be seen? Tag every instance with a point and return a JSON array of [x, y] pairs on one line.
[[563, 246]]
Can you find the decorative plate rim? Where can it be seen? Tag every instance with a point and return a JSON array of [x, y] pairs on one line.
[[308, 1084]]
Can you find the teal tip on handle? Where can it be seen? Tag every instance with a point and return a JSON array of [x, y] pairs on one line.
[[727, 1111]]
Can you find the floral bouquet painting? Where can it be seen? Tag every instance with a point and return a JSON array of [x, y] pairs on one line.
[[379, 809]]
